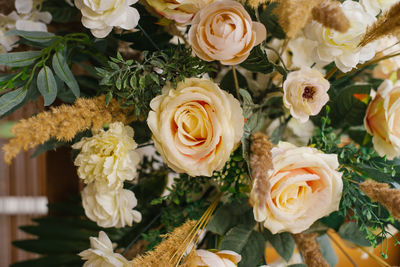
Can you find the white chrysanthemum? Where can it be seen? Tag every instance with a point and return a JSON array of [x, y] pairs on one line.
[[100, 16], [110, 208], [102, 254], [342, 48], [108, 157]]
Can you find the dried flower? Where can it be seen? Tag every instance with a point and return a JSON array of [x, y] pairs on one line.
[[387, 24], [382, 193], [63, 123], [330, 14], [310, 250]]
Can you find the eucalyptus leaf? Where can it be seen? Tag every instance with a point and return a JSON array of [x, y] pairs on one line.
[[327, 250], [34, 36], [19, 59], [11, 99], [351, 232], [47, 85], [63, 72]]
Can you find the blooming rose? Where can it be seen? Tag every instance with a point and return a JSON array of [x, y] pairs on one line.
[[375, 6], [108, 157], [382, 120], [196, 127], [223, 258], [386, 67], [302, 187], [110, 208], [100, 16], [182, 11], [305, 93], [101, 253], [224, 31], [343, 47]]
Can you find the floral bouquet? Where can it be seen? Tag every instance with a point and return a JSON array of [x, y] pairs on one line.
[[204, 131]]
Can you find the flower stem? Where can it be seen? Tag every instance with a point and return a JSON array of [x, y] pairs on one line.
[[235, 78], [330, 74]]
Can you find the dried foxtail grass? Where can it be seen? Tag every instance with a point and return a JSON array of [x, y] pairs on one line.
[[260, 163], [310, 250], [330, 14], [161, 255], [63, 123], [382, 193], [294, 14], [256, 3], [387, 24]]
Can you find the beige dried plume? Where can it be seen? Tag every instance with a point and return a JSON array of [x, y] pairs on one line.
[[387, 24], [310, 250], [382, 193], [256, 3], [63, 123], [260, 163], [330, 14], [163, 252], [293, 15]]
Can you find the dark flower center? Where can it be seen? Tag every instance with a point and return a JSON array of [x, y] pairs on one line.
[[308, 92]]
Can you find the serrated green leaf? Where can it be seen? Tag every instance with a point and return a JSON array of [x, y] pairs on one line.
[[47, 85], [12, 99], [283, 243], [113, 65], [34, 36], [258, 61], [63, 72], [19, 59]]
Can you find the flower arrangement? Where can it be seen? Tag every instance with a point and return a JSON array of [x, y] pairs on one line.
[[267, 121]]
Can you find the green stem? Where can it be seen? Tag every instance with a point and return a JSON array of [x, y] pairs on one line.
[[235, 78]]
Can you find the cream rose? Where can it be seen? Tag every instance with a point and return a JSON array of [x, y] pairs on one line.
[[386, 67], [382, 120], [302, 187], [342, 48], [102, 254], [375, 6], [223, 258], [181, 11], [108, 157], [305, 93], [224, 31], [195, 127], [100, 16], [110, 208]]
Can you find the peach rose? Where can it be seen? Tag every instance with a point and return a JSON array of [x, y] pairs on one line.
[[224, 31], [305, 93], [181, 11], [302, 187], [382, 120], [195, 127]]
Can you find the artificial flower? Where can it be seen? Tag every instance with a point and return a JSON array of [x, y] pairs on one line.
[[305, 93], [223, 258], [302, 187], [101, 253], [108, 157], [224, 31], [110, 208], [295, 132], [374, 7], [382, 120], [343, 48], [30, 19], [195, 127], [181, 11], [386, 67], [100, 16]]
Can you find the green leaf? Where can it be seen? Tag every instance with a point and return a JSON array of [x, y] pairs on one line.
[[19, 59], [34, 36], [63, 72], [11, 99], [253, 252], [327, 250], [258, 61], [47, 85], [236, 238], [351, 232], [228, 83], [270, 20], [60, 11], [283, 243], [51, 246], [52, 231], [297, 265], [51, 261]]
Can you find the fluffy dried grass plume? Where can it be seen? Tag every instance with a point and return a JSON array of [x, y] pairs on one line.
[[387, 24], [63, 123], [310, 250], [260, 163], [163, 252], [382, 193], [330, 14], [256, 3], [294, 14]]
